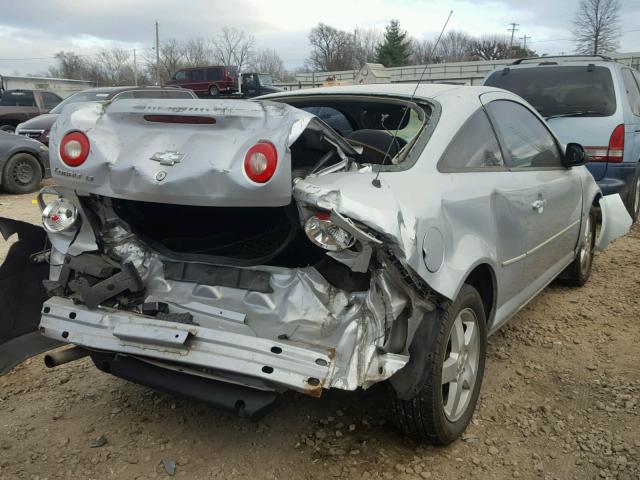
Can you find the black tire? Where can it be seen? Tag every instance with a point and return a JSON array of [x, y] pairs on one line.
[[8, 128], [633, 201], [214, 91], [22, 174], [579, 271], [424, 417]]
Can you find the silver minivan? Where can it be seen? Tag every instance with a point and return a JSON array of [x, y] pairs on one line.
[[591, 100]]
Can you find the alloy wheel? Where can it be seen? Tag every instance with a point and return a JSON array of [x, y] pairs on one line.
[[586, 250], [460, 366]]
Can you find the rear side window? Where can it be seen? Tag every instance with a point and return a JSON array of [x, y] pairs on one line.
[[474, 146], [214, 73], [559, 90], [17, 99], [526, 140], [50, 100], [180, 75], [633, 92], [196, 75]]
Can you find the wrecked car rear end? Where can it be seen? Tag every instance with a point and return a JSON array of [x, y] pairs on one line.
[[169, 258]]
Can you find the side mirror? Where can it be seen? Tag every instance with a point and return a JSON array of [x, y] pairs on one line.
[[574, 155]]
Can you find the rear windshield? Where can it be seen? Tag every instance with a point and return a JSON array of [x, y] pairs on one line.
[[101, 96], [584, 91], [17, 99]]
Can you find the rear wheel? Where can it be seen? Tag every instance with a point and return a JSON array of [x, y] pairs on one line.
[[578, 272], [22, 174], [214, 91], [444, 406]]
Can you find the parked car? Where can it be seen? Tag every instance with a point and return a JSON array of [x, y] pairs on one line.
[[39, 127], [23, 163], [591, 100], [18, 106], [238, 249], [211, 80]]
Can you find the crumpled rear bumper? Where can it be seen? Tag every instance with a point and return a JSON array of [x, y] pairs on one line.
[[239, 358]]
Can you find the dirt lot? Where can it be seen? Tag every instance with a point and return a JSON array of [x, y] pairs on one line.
[[561, 400]]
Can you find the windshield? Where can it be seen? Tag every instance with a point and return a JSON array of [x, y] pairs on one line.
[[581, 91], [81, 97], [265, 80]]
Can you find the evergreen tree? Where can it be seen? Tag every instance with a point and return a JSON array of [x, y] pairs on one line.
[[395, 49]]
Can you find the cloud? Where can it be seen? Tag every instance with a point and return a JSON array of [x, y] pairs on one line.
[[86, 26]]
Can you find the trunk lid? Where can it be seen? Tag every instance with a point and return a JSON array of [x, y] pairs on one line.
[[137, 159]]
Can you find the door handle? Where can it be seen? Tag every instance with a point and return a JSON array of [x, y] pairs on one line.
[[538, 205]]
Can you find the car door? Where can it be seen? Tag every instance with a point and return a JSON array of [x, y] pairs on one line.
[[551, 195], [481, 189], [21, 295]]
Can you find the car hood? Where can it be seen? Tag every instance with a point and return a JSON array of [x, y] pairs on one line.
[[137, 159], [41, 122]]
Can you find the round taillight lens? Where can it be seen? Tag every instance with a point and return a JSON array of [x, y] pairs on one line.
[[261, 161], [74, 149]]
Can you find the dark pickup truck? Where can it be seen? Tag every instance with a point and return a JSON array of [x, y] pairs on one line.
[[17, 106]]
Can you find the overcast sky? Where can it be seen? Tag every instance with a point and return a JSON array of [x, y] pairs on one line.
[[40, 28]]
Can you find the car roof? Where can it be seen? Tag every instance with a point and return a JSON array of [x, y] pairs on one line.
[[551, 62], [424, 90], [200, 68]]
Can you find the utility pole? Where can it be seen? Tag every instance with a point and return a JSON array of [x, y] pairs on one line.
[[157, 56], [135, 69], [525, 38], [513, 31]]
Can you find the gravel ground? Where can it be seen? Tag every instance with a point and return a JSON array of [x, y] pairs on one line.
[[561, 400]]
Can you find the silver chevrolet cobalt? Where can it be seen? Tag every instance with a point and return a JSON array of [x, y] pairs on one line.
[[230, 250]]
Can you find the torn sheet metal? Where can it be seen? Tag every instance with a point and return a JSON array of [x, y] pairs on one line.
[[616, 220], [304, 309]]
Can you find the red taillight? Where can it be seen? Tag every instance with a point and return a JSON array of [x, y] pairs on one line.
[[614, 152], [261, 161], [74, 149]]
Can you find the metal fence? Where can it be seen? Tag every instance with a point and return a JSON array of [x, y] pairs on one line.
[[463, 73]]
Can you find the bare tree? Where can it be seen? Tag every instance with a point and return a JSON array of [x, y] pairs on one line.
[[490, 47], [366, 41], [115, 66], [454, 46], [597, 25], [197, 52], [268, 61], [233, 47], [422, 52], [171, 59], [331, 49]]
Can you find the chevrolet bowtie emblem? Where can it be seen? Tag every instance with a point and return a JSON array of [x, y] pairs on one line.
[[169, 158]]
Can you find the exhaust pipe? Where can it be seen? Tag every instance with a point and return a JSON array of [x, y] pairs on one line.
[[72, 354]]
